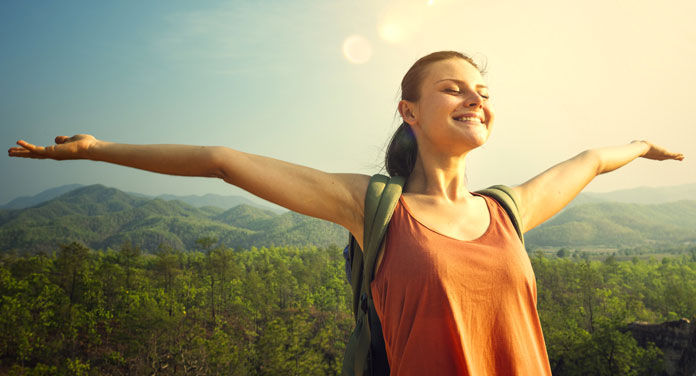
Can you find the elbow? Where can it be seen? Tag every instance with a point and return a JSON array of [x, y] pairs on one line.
[[218, 156], [593, 159]]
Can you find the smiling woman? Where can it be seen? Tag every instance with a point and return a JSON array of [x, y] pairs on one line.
[[454, 291], [403, 148]]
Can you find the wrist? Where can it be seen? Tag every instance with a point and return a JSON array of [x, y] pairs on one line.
[[644, 145], [91, 152]]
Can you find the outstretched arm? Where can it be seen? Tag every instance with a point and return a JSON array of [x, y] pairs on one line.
[[547, 193], [338, 198]]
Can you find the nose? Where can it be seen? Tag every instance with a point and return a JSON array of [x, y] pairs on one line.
[[474, 100]]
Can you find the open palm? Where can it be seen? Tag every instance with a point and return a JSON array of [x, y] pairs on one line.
[[659, 153], [75, 147]]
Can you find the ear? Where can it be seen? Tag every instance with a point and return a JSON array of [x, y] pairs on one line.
[[407, 111]]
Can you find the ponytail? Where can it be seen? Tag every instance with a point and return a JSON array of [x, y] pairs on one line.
[[401, 152]]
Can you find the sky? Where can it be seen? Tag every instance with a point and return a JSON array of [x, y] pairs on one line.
[[316, 82]]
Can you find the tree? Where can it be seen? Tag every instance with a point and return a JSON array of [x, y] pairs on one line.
[[129, 255], [562, 253], [168, 268], [69, 268]]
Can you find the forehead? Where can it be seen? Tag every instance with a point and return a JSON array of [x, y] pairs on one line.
[[454, 69]]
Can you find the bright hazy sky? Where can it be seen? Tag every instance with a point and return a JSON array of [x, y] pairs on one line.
[[316, 82]]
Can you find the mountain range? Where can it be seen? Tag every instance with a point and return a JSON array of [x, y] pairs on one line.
[[221, 201], [103, 217], [640, 195]]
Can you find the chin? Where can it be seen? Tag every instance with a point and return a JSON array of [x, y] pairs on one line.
[[478, 144], [470, 144], [479, 138]]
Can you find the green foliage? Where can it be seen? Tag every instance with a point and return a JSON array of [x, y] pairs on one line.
[[267, 311], [584, 307], [285, 310]]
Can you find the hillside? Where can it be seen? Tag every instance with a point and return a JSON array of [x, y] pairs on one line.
[[104, 217], [611, 224], [198, 201]]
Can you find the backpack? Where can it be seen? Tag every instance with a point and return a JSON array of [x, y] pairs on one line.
[[365, 352]]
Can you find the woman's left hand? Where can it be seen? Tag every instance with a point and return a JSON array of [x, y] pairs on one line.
[[659, 153]]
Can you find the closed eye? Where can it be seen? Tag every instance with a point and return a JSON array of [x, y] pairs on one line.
[[459, 92]]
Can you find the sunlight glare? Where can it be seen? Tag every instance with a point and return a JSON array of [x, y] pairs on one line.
[[403, 20], [390, 31]]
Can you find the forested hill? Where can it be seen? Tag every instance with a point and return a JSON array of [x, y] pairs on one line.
[[102, 217], [612, 224]]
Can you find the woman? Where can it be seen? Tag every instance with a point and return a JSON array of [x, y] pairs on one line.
[[454, 288]]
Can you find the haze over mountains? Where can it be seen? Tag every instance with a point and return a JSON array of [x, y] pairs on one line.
[[104, 217], [641, 195]]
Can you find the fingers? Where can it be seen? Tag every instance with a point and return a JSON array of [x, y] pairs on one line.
[[62, 139], [672, 155], [26, 154], [28, 146], [659, 153], [26, 150], [21, 152]]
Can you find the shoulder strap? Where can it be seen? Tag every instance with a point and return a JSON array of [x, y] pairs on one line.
[[382, 196], [380, 200], [507, 198]]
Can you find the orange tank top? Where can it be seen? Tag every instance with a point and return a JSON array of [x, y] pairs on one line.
[[453, 307]]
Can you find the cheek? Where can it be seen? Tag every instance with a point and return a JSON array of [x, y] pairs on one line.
[[429, 111], [490, 115]]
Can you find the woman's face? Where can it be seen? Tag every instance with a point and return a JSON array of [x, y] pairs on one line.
[[453, 114]]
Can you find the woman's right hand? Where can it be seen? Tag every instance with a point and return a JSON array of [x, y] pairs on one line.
[[75, 147]]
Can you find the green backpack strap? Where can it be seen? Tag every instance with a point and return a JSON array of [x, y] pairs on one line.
[[507, 198], [376, 219], [380, 201], [382, 196]]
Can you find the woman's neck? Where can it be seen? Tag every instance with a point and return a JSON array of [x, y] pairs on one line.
[[439, 176]]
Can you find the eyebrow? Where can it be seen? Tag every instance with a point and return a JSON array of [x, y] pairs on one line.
[[461, 82]]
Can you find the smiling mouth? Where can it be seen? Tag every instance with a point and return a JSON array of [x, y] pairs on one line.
[[468, 119]]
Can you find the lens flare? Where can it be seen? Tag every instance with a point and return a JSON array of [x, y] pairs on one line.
[[357, 49]]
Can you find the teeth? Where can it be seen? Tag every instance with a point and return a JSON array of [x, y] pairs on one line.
[[468, 118]]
